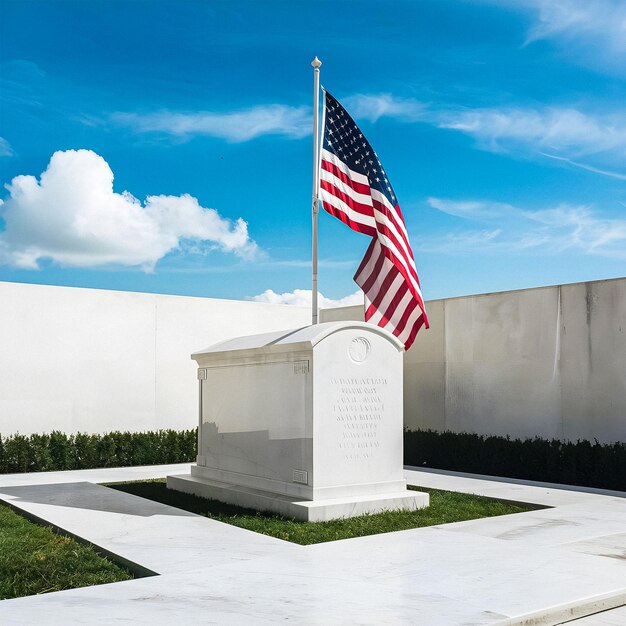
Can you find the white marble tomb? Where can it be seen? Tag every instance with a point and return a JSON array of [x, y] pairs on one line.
[[306, 423]]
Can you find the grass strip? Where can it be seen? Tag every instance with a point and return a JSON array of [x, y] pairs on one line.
[[34, 559], [445, 507]]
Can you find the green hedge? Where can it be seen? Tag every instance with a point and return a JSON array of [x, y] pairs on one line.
[[57, 451], [581, 463]]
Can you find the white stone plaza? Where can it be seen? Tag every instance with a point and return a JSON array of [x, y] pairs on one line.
[[547, 566], [316, 270], [308, 423]]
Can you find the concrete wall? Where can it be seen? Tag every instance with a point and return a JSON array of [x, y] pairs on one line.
[[94, 361], [547, 362]]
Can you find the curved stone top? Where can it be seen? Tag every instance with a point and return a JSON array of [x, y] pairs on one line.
[[297, 338]]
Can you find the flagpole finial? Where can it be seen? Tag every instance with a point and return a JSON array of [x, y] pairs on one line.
[[316, 63]]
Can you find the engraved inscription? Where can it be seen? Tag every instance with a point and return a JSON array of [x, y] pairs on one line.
[[358, 408]]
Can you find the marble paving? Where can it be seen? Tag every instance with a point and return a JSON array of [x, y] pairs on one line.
[[615, 617], [159, 538], [545, 566]]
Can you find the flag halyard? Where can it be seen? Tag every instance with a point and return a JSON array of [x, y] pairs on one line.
[[354, 188]]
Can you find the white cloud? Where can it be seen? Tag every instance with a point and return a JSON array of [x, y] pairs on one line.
[[73, 217], [470, 209], [464, 242], [22, 83], [5, 148], [275, 119], [238, 126], [554, 128], [563, 133], [578, 227], [546, 231], [602, 21], [374, 106], [583, 166], [302, 297], [591, 33], [326, 263]]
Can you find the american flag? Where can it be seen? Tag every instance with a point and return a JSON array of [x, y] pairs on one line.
[[354, 188]]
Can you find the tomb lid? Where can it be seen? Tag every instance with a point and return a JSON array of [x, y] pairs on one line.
[[295, 339]]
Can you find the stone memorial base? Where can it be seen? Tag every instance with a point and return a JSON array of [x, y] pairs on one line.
[[289, 506]]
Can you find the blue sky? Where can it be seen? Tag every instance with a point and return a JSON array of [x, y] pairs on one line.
[[501, 125]]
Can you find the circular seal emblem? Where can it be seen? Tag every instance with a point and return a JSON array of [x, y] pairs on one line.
[[359, 349]]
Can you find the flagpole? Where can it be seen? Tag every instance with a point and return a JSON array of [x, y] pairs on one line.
[[315, 208]]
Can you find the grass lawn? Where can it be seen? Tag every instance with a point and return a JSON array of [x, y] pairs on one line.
[[34, 559], [445, 507]]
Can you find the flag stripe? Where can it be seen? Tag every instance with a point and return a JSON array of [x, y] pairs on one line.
[[393, 210], [354, 210], [413, 326], [330, 167], [388, 235], [364, 199], [371, 267], [335, 206], [354, 176], [384, 212], [395, 314], [409, 314], [398, 259], [353, 203], [383, 299], [411, 280]]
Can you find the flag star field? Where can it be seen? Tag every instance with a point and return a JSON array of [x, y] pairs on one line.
[[166, 146], [345, 139]]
